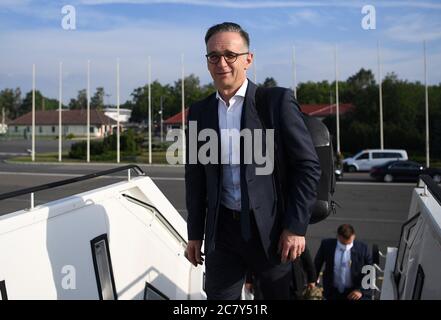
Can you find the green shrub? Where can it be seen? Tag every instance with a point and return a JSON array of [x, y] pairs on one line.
[[106, 149], [78, 150]]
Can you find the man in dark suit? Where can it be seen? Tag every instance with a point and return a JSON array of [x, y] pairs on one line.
[[235, 210], [344, 259]]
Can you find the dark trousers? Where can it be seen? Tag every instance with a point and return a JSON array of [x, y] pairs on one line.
[[226, 266], [334, 294]]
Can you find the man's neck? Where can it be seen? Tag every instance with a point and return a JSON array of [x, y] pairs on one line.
[[228, 93]]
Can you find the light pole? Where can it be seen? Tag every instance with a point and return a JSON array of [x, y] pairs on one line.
[[161, 122], [337, 106], [380, 96], [426, 96]]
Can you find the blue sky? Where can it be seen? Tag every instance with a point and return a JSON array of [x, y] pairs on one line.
[[31, 32]]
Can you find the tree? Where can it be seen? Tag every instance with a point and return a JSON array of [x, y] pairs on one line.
[[26, 105], [192, 90], [42, 103], [362, 79], [80, 102], [139, 103], [315, 92], [97, 100], [268, 83], [171, 98], [403, 115], [10, 100]]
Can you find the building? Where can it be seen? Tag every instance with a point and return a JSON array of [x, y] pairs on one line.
[[74, 122], [124, 114], [175, 122], [322, 111]]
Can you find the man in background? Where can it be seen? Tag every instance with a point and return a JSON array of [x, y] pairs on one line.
[[344, 259]]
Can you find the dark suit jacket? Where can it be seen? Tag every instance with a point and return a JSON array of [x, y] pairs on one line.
[[300, 161], [360, 256]]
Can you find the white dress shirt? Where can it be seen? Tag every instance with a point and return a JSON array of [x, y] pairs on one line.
[[229, 125], [342, 266]]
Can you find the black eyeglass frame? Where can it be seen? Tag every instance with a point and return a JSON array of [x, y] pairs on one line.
[[236, 55]]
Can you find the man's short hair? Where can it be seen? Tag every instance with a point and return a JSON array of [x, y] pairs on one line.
[[228, 27], [346, 231]]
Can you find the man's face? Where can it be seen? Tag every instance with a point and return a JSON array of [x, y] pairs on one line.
[[346, 241], [228, 76]]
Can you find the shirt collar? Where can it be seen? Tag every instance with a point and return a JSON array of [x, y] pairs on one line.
[[345, 247], [240, 93]]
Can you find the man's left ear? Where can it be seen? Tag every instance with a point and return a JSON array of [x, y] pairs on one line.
[[250, 60]]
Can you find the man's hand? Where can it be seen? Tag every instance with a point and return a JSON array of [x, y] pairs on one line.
[[311, 285], [193, 252], [291, 245], [355, 295], [249, 287]]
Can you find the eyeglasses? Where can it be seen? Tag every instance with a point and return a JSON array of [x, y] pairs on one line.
[[230, 57]]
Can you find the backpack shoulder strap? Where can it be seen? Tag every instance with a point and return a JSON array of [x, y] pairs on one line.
[[269, 119]]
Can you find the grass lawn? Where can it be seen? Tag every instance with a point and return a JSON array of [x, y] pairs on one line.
[[158, 157]]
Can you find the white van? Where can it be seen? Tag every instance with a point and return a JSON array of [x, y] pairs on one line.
[[366, 159]]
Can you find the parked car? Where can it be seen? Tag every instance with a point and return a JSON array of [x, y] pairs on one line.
[[366, 159], [403, 170]]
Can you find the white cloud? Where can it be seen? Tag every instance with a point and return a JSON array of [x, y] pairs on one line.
[[272, 4], [224, 4], [414, 28], [9, 4], [165, 43], [308, 16], [29, 9], [132, 45]]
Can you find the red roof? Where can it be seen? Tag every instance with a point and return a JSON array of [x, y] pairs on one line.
[[177, 118], [68, 117], [323, 110], [316, 110]]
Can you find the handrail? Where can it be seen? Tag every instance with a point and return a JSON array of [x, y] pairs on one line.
[[434, 189], [51, 185], [162, 218]]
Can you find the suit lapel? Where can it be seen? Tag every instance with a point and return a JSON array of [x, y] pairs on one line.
[[250, 118], [212, 118], [354, 259], [332, 257], [212, 122]]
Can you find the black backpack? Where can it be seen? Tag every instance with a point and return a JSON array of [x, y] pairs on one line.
[[321, 138]]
